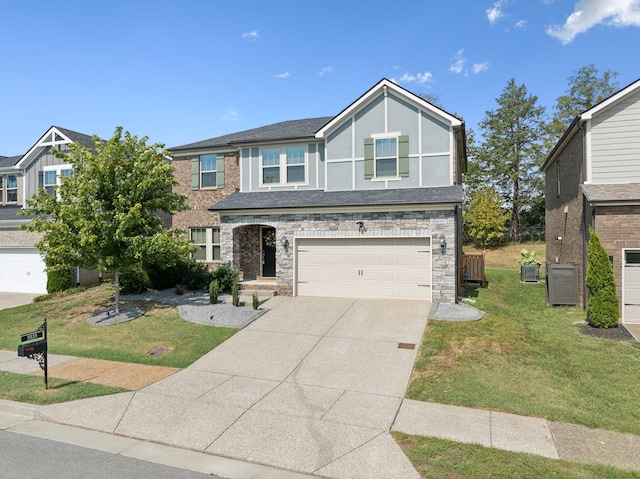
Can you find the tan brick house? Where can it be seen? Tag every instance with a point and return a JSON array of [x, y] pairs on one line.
[[363, 204], [592, 179]]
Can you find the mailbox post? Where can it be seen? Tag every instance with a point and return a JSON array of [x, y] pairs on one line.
[[36, 349]]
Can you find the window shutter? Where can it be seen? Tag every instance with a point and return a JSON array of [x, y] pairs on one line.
[[220, 171], [403, 156], [195, 173], [40, 179], [368, 158]]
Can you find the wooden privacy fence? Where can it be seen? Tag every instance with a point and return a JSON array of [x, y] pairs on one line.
[[472, 269]]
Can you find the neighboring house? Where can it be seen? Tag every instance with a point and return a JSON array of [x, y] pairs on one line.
[[23, 268], [593, 179], [363, 204]]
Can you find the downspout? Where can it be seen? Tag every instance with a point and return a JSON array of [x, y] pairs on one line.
[[585, 234]]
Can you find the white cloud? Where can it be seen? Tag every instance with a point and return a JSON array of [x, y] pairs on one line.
[[495, 12], [282, 75], [458, 62], [480, 67], [231, 115], [325, 70], [252, 35], [589, 13], [420, 78], [521, 24]]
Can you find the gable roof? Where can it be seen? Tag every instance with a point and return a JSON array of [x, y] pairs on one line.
[[284, 130], [381, 86], [55, 135], [9, 161]]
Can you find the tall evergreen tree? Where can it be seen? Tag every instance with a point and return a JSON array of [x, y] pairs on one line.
[[509, 159]]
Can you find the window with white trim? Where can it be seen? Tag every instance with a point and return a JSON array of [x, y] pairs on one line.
[[283, 165], [208, 242], [386, 156], [385, 159], [208, 171], [52, 176], [8, 189]]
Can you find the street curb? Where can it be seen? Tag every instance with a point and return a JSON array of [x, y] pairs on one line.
[[30, 411]]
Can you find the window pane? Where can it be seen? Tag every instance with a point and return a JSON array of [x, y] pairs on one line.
[[12, 181], [271, 157], [66, 172], [49, 178], [216, 235], [295, 174], [199, 236], [633, 257], [208, 180], [295, 155], [200, 254], [216, 253], [386, 167], [386, 147], [208, 162], [271, 175]]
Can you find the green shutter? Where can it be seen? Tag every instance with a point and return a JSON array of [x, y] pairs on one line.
[[368, 158], [220, 171], [403, 156], [195, 173]]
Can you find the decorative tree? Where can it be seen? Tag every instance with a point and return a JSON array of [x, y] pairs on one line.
[[105, 215], [603, 309], [485, 219]]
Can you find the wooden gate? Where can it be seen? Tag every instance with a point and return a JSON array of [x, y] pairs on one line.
[[472, 269]]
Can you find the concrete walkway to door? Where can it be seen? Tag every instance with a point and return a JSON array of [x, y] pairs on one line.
[[312, 386]]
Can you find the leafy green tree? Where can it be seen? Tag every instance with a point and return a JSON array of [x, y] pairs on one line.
[[485, 219], [587, 87], [603, 308], [105, 215], [511, 154]]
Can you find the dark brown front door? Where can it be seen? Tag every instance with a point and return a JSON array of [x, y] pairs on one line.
[[268, 252]]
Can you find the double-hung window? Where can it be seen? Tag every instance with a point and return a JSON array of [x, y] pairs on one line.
[[295, 164], [283, 166], [208, 242], [52, 176], [271, 165], [9, 189], [208, 171], [386, 157]]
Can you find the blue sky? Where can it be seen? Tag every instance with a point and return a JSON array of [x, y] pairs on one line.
[[180, 72]]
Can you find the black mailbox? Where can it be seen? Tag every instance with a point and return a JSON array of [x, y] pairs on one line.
[[32, 348]]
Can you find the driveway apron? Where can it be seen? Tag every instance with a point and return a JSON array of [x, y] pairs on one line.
[[311, 386]]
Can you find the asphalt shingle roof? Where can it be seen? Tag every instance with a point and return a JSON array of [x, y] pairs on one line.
[[6, 161], [10, 212], [285, 130], [319, 198], [612, 192], [84, 140]]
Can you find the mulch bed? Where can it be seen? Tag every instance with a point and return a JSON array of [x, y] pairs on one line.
[[619, 333]]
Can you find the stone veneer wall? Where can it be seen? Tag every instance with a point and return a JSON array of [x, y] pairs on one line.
[[390, 224], [246, 251]]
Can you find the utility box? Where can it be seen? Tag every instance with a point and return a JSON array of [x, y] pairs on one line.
[[529, 273], [562, 284]]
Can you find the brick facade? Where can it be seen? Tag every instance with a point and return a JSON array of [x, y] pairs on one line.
[[235, 229], [15, 237]]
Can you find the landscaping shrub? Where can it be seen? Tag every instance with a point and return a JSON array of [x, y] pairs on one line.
[[255, 300], [226, 276], [603, 309], [214, 291], [58, 279], [134, 281]]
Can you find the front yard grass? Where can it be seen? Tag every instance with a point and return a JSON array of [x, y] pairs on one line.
[[440, 459], [528, 359], [70, 334]]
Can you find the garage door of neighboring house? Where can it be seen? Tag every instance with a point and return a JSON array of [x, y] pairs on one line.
[[631, 287], [22, 271], [386, 268]]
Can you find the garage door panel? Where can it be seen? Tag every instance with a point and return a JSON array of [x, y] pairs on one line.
[[631, 291], [22, 270]]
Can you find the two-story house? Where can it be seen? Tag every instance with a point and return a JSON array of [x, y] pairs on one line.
[[363, 204], [592, 179], [23, 268]]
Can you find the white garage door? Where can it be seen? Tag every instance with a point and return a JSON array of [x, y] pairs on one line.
[[387, 268], [22, 271], [631, 287]]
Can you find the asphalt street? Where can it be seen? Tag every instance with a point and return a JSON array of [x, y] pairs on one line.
[[23, 456]]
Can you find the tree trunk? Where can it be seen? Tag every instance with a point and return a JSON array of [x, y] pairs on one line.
[[117, 293]]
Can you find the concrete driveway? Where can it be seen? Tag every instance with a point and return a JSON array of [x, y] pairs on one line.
[[311, 386], [11, 300]]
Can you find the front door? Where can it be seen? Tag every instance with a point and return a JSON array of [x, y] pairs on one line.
[[268, 252]]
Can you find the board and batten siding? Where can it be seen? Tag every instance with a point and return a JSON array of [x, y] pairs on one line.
[[430, 146], [43, 158], [615, 143]]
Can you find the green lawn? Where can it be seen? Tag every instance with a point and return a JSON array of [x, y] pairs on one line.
[[70, 334], [526, 358], [440, 459]]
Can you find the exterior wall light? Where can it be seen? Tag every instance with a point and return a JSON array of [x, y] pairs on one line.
[[285, 242], [443, 246], [361, 227]]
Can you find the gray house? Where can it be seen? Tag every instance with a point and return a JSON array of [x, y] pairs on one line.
[[592, 179], [23, 268], [363, 204]]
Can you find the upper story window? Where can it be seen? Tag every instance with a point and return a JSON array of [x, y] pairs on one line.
[[8, 189], [286, 165], [386, 156], [52, 176], [208, 242], [207, 171]]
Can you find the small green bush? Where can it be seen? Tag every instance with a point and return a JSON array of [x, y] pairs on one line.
[[214, 291], [195, 275], [235, 297], [58, 279], [603, 308], [134, 281], [255, 300], [226, 276]]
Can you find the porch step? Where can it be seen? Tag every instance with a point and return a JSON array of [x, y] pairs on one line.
[[258, 285]]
